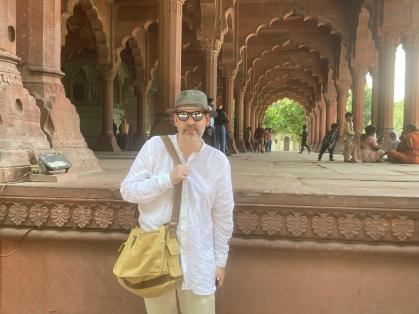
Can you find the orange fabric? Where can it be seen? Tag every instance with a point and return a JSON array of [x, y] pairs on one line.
[[410, 155]]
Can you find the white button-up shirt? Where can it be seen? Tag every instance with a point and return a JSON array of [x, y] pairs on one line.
[[206, 211]]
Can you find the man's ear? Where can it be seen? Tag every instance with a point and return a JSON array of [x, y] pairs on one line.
[[207, 119]]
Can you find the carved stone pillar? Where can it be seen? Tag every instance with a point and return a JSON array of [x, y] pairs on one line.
[[19, 115], [411, 96], [374, 97], [240, 120], [253, 119], [387, 59], [41, 63], [107, 140], [342, 94], [170, 50], [358, 99], [312, 129], [317, 127], [211, 49], [330, 110], [322, 124], [140, 134], [229, 76]]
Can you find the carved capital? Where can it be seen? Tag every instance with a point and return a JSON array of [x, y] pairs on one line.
[[388, 40], [359, 71], [173, 7], [410, 40], [209, 44], [230, 71]]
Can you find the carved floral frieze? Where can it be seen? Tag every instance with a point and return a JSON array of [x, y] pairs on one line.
[[329, 224], [274, 222], [65, 214]]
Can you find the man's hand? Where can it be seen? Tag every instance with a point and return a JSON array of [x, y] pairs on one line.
[[219, 276], [179, 174]]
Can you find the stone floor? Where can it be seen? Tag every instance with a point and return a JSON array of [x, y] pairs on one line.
[[277, 172]]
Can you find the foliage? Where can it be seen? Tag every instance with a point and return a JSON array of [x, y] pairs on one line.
[[285, 116], [398, 115]]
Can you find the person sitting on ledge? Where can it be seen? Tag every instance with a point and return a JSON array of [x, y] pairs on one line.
[[407, 151], [370, 150]]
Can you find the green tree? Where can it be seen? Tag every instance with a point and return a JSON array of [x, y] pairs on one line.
[[398, 115], [285, 116]]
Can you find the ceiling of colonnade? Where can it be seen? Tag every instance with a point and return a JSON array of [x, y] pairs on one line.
[[301, 47], [296, 53]]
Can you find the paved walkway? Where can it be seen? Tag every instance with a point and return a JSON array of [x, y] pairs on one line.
[[278, 172]]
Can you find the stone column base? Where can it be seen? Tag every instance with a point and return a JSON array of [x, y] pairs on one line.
[[240, 145], [107, 143], [231, 146]]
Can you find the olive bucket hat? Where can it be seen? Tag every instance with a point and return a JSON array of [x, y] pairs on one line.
[[191, 99]]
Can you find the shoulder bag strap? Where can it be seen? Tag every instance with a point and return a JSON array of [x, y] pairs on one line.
[[178, 187]]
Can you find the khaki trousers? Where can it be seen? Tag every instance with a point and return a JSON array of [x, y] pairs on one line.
[[348, 149], [189, 303]]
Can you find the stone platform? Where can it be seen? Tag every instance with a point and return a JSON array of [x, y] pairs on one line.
[[309, 237]]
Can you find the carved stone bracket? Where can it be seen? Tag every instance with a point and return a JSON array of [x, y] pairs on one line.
[[209, 44]]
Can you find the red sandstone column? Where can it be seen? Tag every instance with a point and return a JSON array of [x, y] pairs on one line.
[[330, 110], [248, 114], [170, 50], [411, 96], [230, 75], [308, 123], [341, 108], [317, 114], [358, 99], [312, 129], [240, 120], [211, 49], [39, 45], [374, 97], [107, 140], [387, 53], [322, 124], [253, 119], [20, 118], [140, 136]]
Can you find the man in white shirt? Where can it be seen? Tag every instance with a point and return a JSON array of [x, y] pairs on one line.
[[206, 212]]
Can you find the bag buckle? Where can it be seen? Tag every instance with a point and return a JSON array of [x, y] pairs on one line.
[[172, 229]]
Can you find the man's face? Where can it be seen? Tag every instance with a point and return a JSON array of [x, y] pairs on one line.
[[191, 127]]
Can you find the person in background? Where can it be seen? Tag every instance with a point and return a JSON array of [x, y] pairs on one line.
[[220, 121], [304, 137], [348, 137], [209, 135], [408, 150], [370, 149], [329, 142], [259, 137], [268, 140], [123, 134]]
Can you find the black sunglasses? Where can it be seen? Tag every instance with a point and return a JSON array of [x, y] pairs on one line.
[[184, 116]]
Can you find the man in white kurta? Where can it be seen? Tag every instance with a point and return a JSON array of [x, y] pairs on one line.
[[205, 219]]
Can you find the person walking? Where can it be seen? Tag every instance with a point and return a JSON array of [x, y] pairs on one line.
[[304, 137], [206, 213], [329, 142], [220, 121]]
